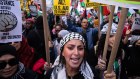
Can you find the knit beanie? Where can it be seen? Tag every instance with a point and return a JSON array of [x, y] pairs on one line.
[[62, 33], [7, 49]]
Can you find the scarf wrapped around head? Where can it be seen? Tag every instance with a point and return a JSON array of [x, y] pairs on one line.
[[59, 71], [71, 36]]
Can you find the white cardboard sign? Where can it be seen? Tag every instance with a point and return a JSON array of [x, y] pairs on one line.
[[10, 21]]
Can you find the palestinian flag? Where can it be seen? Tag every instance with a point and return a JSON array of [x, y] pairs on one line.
[[105, 10], [75, 11], [82, 3]]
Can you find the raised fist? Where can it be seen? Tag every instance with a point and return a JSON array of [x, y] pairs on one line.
[[8, 21]]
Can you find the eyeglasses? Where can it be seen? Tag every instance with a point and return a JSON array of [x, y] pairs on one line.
[[11, 62]]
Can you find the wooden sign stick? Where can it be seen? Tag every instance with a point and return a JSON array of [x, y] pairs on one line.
[[45, 25], [117, 39], [99, 33], [112, 9]]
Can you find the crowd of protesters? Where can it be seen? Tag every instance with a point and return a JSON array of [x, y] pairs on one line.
[[76, 49]]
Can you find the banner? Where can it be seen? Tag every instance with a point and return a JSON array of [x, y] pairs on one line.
[[10, 21], [92, 4], [61, 7], [130, 1], [134, 4]]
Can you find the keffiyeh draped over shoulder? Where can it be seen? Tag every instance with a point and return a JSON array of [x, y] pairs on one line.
[[59, 72], [20, 71]]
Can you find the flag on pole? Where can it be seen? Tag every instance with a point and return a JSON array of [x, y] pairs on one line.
[[82, 3], [105, 10]]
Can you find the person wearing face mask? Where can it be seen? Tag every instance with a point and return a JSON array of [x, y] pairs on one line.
[[72, 64], [56, 42], [10, 67]]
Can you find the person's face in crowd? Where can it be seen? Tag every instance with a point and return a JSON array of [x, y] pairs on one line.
[[73, 53], [84, 23], [132, 18], [111, 41], [28, 25], [58, 29], [129, 20], [23, 15], [8, 65]]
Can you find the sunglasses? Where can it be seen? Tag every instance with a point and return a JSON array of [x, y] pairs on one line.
[[11, 62]]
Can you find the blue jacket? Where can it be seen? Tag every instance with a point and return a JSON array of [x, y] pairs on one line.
[[91, 33]]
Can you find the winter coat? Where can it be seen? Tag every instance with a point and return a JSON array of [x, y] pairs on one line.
[[91, 35]]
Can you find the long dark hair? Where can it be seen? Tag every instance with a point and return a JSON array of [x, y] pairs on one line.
[[101, 44], [62, 59]]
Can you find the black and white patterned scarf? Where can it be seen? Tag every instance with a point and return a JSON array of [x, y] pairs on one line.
[[70, 36], [59, 72], [21, 70]]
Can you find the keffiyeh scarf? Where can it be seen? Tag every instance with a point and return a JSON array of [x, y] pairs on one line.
[[20, 71], [59, 72]]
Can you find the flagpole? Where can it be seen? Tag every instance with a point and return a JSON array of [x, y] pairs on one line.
[[99, 33], [117, 39], [45, 25], [112, 8]]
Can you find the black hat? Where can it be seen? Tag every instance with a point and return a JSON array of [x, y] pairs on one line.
[[7, 49]]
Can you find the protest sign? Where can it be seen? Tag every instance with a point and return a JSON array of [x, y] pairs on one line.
[[135, 4], [61, 7], [129, 1], [10, 21], [93, 4], [136, 23]]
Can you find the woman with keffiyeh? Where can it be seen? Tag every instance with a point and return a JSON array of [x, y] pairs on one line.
[[10, 67], [73, 64]]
